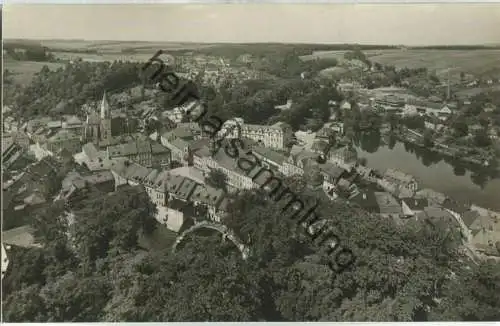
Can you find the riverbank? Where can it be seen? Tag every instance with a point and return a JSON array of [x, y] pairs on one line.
[[459, 154], [445, 175]]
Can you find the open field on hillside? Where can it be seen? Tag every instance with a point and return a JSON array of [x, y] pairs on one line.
[[478, 62], [92, 57], [323, 55], [475, 61], [23, 71], [107, 46]]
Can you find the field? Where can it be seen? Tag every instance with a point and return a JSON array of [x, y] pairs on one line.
[[477, 62], [23, 71], [105, 46]]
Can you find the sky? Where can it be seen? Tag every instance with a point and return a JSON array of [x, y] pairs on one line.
[[409, 24]]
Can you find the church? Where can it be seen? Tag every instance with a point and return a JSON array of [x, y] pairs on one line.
[[97, 127]]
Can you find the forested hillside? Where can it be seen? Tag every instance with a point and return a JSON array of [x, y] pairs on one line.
[[401, 273]]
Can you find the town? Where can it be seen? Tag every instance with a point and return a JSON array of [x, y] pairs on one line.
[[91, 142]]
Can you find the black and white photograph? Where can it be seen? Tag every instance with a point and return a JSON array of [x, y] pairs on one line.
[[322, 162]]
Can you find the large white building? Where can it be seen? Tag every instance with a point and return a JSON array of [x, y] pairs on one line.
[[274, 136]]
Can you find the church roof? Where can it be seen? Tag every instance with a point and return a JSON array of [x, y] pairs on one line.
[[105, 112]]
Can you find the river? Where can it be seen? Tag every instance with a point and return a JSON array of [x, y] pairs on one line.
[[468, 184]]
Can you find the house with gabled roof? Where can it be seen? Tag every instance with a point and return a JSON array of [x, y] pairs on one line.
[[388, 205], [412, 206]]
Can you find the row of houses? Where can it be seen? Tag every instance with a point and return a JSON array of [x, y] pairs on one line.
[[478, 227], [178, 194]]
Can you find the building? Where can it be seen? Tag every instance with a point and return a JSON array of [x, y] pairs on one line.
[[174, 115], [434, 197], [269, 158], [412, 206], [276, 136], [64, 139], [343, 156], [97, 128], [73, 123], [178, 194], [297, 161], [367, 201], [22, 236], [20, 138], [401, 179], [388, 205], [142, 151], [236, 176], [92, 158], [10, 152]]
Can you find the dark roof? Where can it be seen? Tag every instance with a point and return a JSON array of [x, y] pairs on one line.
[[367, 201], [387, 203], [99, 177], [469, 217], [177, 204], [455, 207], [416, 203], [207, 195], [269, 154], [440, 215]]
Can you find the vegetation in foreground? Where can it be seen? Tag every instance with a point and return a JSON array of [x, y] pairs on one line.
[[402, 272]]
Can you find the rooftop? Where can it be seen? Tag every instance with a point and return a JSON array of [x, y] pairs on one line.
[[387, 203], [21, 236], [189, 172], [232, 164], [269, 154], [399, 175], [64, 134], [207, 195]]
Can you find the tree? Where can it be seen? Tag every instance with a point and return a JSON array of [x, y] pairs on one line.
[[217, 179], [428, 138], [393, 120], [414, 122], [433, 78], [484, 121], [74, 299], [472, 295], [25, 305], [26, 269], [112, 223], [362, 161], [481, 138], [461, 128]]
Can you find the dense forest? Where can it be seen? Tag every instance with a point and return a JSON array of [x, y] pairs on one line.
[[405, 272]]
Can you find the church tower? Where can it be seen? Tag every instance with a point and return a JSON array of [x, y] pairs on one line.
[[105, 128]]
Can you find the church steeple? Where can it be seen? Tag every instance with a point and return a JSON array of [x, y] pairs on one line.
[[105, 113]]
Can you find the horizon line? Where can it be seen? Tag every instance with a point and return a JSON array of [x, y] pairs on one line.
[[250, 43]]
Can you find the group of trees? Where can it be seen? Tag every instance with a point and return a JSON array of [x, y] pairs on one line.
[[255, 101], [404, 272], [28, 53], [64, 90], [67, 279]]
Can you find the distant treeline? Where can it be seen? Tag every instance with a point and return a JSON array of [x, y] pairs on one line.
[[456, 47], [270, 49], [34, 46], [28, 53]]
